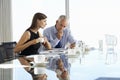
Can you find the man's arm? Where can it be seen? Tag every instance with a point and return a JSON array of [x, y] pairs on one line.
[[52, 41], [72, 46], [71, 40]]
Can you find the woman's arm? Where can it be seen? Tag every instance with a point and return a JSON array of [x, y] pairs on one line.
[[46, 43], [21, 45]]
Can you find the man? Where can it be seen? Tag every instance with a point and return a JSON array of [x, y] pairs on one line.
[[59, 35]]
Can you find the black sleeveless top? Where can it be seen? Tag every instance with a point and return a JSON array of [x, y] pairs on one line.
[[33, 49]]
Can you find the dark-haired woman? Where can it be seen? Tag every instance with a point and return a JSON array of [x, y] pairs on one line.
[[30, 41]]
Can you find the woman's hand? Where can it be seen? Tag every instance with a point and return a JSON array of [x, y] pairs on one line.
[[46, 43], [35, 41], [45, 40]]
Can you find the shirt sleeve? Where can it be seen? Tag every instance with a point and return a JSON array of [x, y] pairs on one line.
[[52, 41], [70, 37]]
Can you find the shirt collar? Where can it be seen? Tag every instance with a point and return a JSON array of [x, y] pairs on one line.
[[55, 30]]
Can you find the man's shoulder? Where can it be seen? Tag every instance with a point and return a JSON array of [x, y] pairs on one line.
[[67, 30]]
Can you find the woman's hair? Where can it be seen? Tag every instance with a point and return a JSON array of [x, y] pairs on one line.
[[39, 16]]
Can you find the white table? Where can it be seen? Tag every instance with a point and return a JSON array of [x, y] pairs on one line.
[[91, 67]]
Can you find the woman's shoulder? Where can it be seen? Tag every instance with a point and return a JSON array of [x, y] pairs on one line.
[[40, 34], [26, 33]]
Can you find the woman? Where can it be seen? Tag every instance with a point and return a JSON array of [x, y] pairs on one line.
[[30, 40]]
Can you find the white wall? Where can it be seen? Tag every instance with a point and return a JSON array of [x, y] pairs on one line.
[[91, 19], [23, 11]]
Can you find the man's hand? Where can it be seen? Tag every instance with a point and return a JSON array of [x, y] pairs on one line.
[[72, 46], [59, 34]]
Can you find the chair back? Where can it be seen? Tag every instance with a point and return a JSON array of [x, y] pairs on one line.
[[111, 40], [6, 51], [111, 43]]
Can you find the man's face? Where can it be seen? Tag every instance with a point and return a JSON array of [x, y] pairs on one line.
[[62, 25]]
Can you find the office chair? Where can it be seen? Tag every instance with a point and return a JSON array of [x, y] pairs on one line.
[[2, 54], [111, 42], [6, 51]]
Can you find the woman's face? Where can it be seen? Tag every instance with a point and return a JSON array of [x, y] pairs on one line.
[[41, 23]]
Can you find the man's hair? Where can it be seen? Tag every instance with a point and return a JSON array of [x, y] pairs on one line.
[[62, 17]]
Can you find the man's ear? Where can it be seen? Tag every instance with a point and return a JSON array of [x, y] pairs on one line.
[[56, 21]]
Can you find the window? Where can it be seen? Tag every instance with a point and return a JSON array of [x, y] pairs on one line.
[[91, 19], [23, 11]]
